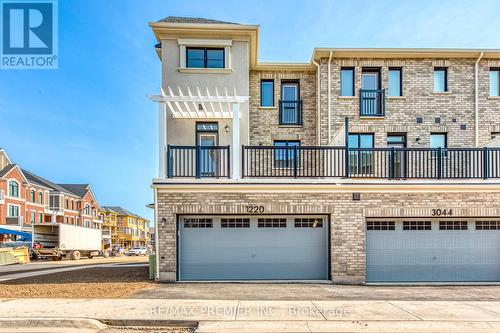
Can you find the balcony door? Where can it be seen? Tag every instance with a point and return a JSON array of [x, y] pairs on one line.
[[207, 135], [370, 93], [400, 159], [289, 113]]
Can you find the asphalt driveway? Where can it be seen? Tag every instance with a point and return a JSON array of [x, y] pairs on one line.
[[299, 292]]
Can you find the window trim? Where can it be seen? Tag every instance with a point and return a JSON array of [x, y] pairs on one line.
[[18, 188], [261, 90], [205, 58], [400, 70], [445, 69]]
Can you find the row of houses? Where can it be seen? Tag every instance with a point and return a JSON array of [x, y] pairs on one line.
[[27, 199]]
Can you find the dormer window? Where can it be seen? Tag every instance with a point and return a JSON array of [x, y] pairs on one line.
[[203, 57]]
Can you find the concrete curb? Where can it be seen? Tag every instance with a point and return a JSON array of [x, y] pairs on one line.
[[73, 323]]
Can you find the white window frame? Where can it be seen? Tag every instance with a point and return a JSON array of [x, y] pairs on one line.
[[221, 43], [18, 189], [18, 210]]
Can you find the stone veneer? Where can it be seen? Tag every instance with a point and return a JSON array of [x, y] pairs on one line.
[[347, 217]]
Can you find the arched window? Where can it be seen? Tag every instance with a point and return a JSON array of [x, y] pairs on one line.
[[72, 205], [33, 196], [66, 205], [13, 189], [40, 198], [86, 211]]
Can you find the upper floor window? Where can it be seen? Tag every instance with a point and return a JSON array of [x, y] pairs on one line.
[[395, 82], [440, 79], [495, 82], [438, 140], [13, 189], [267, 93], [203, 57], [72, 205], [40, 198], [13, 211], [86, 210], [66, 205], [33, 196], [347, 81]]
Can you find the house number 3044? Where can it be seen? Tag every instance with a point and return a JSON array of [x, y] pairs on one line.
[[255, 209], [442, 212]]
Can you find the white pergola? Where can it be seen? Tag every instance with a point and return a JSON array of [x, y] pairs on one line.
[[199, 105]]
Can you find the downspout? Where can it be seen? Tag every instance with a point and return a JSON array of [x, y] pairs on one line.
[[329, 101], [318, 112], [476, 97]]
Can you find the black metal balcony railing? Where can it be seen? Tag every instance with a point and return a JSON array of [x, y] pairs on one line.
[[381, 163], [198, 161], [372, 103], [290, 112]]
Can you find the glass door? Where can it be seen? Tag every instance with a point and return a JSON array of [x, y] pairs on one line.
[[370, 95], [400, 157], [289, 103], [207, 136]]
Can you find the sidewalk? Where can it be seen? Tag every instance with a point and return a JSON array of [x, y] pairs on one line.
[[272, 316]]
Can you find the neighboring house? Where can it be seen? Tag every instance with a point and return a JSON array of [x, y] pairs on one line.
[[126, 228], [26, 199], [360, 166]]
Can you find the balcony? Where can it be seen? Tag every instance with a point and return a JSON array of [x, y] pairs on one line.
[[371, 103], [290, 112], [14, 220], [198, 161], [337, 162]]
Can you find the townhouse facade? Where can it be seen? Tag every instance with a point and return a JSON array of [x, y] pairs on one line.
[[360, 166], [27, 199], [125, 228]]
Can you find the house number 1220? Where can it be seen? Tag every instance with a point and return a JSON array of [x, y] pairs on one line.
[[255, 209]]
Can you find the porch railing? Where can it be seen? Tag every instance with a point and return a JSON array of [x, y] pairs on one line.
[[198, 161], [381, 163], [372, 103], [14, 220], [290, 112]]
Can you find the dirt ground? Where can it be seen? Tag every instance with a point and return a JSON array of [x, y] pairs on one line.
[[103, 282]]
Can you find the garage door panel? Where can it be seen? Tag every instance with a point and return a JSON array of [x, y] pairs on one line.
[[253, 253], [433, 255]]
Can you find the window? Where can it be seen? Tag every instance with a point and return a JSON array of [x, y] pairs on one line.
[[32, 217], [440, 79], [284, 153], [452, 225], [13, 211], [235, 223], [272, 222], [487, 225], [438, 140], [395, 82], [380, 225], [198, 223], [66, 220], [40, 218], [417, 225], [347, 81], [361, 161], [86, 210], [202, 57], [267, 93], [33, 196], [40, 198], [308, 223], [66, 205], [495, 82], [13, 189], [72, 205], [86, 224]]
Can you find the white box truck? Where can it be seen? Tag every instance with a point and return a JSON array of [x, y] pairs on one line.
[[58, 240]]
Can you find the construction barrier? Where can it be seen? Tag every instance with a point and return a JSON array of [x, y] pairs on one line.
[[18, 255]]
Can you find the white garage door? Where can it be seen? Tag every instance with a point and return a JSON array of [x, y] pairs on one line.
[[433, 251], [253, 248]]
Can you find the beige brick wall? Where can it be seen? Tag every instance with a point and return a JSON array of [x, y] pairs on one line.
[[454, 109], [264, 122], [347, 217]]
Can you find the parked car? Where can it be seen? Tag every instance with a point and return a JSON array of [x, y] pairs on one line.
[[137, 251]]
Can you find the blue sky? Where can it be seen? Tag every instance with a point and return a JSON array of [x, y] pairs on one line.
[[90, 120]]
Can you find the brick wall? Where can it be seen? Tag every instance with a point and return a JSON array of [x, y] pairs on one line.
[[264, 122], [347, 217], [454, 108]]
